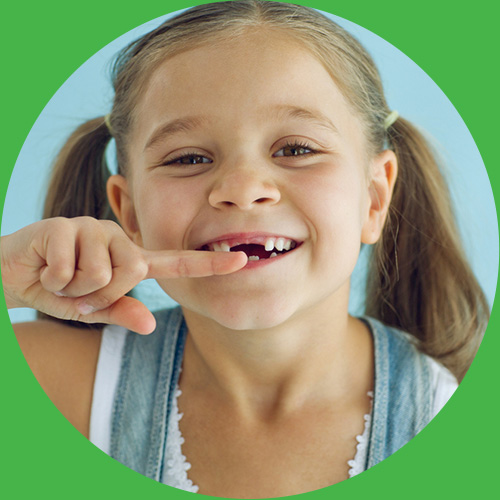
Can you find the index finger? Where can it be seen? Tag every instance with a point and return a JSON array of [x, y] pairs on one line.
[[167, 264]]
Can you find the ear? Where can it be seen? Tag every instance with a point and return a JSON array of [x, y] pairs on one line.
[[120, 199], [384, 170]]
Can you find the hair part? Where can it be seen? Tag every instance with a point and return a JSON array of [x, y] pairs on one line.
[[345, 59], [419, 280]]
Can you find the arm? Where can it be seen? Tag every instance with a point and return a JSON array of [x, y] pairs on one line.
[[80, 269], [63, 359]]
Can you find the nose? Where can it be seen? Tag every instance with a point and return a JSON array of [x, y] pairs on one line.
[[243, 187]]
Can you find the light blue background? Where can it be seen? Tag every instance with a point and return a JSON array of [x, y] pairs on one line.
[[88, 93]]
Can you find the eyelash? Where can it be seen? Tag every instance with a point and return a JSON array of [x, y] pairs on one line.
[[289, 144], [179, 158], [298, 145]]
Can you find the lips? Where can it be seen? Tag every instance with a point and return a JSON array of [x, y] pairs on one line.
[[257, 247]]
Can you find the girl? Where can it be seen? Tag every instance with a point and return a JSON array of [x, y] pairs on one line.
[[256, 156]]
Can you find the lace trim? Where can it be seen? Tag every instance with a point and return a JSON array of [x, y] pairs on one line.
[[178, 466], [357, 465]]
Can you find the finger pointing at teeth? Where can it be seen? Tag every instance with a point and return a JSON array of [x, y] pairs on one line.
[[129, 270], [108, 304], [81, 269], [192, 264]]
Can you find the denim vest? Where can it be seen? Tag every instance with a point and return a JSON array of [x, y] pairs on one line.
[[402, 402]]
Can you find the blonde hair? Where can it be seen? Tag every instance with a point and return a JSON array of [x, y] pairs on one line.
[[419, 280]]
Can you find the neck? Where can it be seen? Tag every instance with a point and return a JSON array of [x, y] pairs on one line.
[[318, 354]]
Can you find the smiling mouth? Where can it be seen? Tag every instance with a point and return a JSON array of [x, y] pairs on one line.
[[268, 249]]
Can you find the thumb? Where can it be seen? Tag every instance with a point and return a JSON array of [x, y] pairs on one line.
[[127, 312]]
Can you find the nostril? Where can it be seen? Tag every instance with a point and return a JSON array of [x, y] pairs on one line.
[[258, 201], [243, 194]]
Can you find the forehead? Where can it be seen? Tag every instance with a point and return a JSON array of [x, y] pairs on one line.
[[240, 82]]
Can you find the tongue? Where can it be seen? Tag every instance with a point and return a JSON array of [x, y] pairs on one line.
[[252, 250]]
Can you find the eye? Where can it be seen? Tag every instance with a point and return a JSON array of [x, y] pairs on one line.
[[295, 149], [187, 159]]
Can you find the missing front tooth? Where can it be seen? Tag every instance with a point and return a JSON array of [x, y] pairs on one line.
[[257, 252]]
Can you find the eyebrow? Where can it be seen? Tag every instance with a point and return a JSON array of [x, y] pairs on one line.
[[281, 111], [185, 124], [284, 111]]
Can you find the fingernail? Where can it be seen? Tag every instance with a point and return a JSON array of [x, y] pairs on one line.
[[84, 308], [59, 294]]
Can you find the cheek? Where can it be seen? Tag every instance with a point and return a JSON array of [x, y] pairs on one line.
[[334, 199], [165, 210], [335, 203]]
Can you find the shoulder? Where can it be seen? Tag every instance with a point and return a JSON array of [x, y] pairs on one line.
[[404, 354], [63, 359], [394, 348], [444, 384]]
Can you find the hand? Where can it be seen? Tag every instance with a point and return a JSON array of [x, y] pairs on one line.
[[80, 269]]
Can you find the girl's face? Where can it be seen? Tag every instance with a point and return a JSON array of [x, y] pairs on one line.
[[248, 142]]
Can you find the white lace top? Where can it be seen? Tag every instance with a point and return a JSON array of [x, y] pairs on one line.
[[176, 471]]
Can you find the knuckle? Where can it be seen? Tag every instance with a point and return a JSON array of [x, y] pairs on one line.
[[60, 273], [101, 301], [110, 227], [182, 267], [99, 275], [138, 268], [89, 225], [59, 220], [86, 220], [84, 224], [109, 224], [58, 224]]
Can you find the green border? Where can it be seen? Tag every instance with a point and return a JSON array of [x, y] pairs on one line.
[[41, 454]]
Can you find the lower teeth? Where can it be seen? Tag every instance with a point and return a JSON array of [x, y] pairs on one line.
[[256, 257]]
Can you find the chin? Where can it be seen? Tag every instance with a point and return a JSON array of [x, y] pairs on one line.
[[246, 314]]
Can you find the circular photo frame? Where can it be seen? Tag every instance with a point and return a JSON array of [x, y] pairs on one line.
[[455, 446]]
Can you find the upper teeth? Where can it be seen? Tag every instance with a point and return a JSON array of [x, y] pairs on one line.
[[270, 244]]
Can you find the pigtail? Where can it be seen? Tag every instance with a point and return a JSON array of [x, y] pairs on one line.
[[78, 182], [420, 280]]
